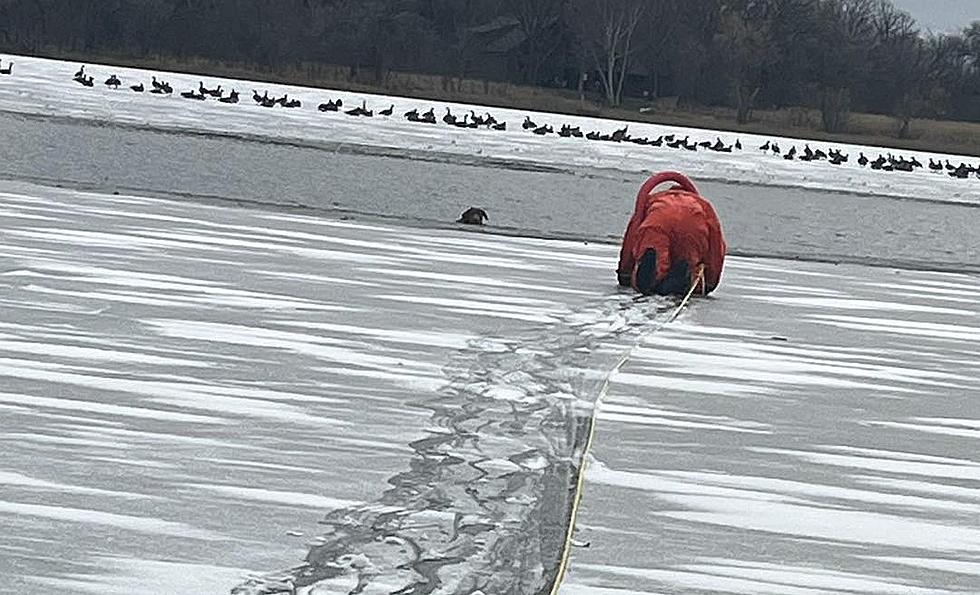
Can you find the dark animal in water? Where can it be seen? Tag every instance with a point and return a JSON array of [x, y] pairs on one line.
[[473, 216]]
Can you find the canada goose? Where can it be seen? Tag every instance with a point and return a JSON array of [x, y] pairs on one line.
[[473, 216], [293, 103], [935, 165], [499, 126], [138, 88], [528, 124], [429, 117], [862, 160], [449, 118], [476, 119], [232, 97], [356, 111], [256, 97], [112, 82], [8, 69], [765, 147], [542, 130], [657, 143], [80, 74], [387, 112], [620, 135], [161, 88], [738, 144]]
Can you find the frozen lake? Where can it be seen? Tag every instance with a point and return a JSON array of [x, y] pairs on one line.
[[270, 356]]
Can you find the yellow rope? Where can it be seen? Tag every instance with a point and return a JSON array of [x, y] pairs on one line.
[[580, 481], [698, 280]]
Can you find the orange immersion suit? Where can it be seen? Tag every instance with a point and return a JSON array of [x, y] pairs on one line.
[[671, 235]]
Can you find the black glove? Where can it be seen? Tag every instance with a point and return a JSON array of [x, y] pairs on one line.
[[646, 273], [677, 281]]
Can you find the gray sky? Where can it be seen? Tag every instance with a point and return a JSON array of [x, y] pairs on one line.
[[941, 15]]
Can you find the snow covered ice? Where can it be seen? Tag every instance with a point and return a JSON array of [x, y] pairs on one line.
[[171, 393], [200, 398]]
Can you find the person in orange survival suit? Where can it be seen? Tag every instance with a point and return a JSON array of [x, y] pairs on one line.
[[671, 236]]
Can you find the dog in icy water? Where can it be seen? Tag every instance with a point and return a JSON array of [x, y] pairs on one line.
[[473, 216]]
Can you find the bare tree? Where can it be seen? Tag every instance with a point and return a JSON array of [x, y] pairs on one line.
[[658, 29], [847, 32], [605, 30], [539, 21], [747, 49]]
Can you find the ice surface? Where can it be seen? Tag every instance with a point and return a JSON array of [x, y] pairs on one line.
[[863, 476], [155, 387]]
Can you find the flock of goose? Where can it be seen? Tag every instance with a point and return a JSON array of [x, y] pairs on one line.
[[472, 120], [881, 163]]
